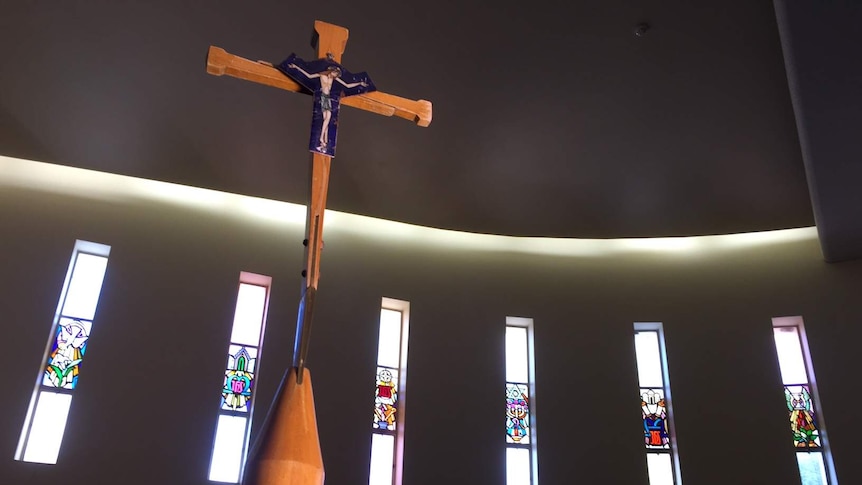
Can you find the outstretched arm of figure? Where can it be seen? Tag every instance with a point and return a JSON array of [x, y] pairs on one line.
[[221, 62], [303, 71], [351, 85]]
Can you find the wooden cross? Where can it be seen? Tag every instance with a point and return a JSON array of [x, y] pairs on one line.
[[289, 451]]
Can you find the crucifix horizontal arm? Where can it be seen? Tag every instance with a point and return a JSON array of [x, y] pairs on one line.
[[317, 77], [289, 453], [221, 62]]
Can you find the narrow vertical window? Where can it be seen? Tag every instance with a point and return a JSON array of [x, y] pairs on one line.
[[803, 405], [654, 391], [521, 465], [387, 423], [58, 377], [240, 377]]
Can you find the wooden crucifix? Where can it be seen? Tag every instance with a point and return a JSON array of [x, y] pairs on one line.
[[289, 451]]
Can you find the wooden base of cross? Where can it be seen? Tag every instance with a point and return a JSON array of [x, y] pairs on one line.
[[288, 452]]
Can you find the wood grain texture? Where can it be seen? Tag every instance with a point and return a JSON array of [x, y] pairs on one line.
[[290, 451], [318, 189], [221, 62], [329, 40]]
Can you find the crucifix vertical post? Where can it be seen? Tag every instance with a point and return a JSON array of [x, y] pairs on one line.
[[288, 449], [330, 42]]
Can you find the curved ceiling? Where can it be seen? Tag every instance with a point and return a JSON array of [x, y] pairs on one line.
[[550, 118], [53, 180]]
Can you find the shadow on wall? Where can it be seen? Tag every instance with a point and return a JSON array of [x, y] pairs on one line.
[[18, 140]]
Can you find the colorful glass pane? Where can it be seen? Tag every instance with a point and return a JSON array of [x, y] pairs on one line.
[[803, 422], [654, 414], [517, 413], [239, 378], [67, 352], [386, 399]]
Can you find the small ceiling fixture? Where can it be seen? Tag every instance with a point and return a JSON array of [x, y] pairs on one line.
[[641, 29]]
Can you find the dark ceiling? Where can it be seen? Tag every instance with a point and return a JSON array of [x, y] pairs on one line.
[[821, 47], [550, 118]]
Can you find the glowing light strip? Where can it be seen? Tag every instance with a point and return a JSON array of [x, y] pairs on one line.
[[119, 188]]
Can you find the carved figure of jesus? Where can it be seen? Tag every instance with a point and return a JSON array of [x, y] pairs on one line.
[[329, 82]]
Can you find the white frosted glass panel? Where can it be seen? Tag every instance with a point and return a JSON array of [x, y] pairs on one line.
[[811, 468], [790, 355], [660, 469], [517, 466], [389, 341], [649, 359], [382, 459], [228, 449], [249, 314], [516, 354], [49, 423], [85, 286]]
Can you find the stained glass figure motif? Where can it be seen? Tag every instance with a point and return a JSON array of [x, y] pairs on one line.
[[239, 378], [236, 404], [67, 352], [390, 379], [386, 399], [45, 424], [803, 423], [654, 414], [517, 414]]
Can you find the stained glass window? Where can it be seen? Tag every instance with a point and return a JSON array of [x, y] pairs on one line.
[[67, 352], [238, 378], [46, 418], [387, 418], [237, 393], [662, 461], [654, 415], [520, 429], [813, 456], [517, 413], [386, 399], [803, 424]]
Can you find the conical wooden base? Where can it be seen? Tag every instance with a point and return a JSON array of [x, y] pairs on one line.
[[290, 451]]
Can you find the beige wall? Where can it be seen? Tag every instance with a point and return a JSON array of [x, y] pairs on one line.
[[145, 409]]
